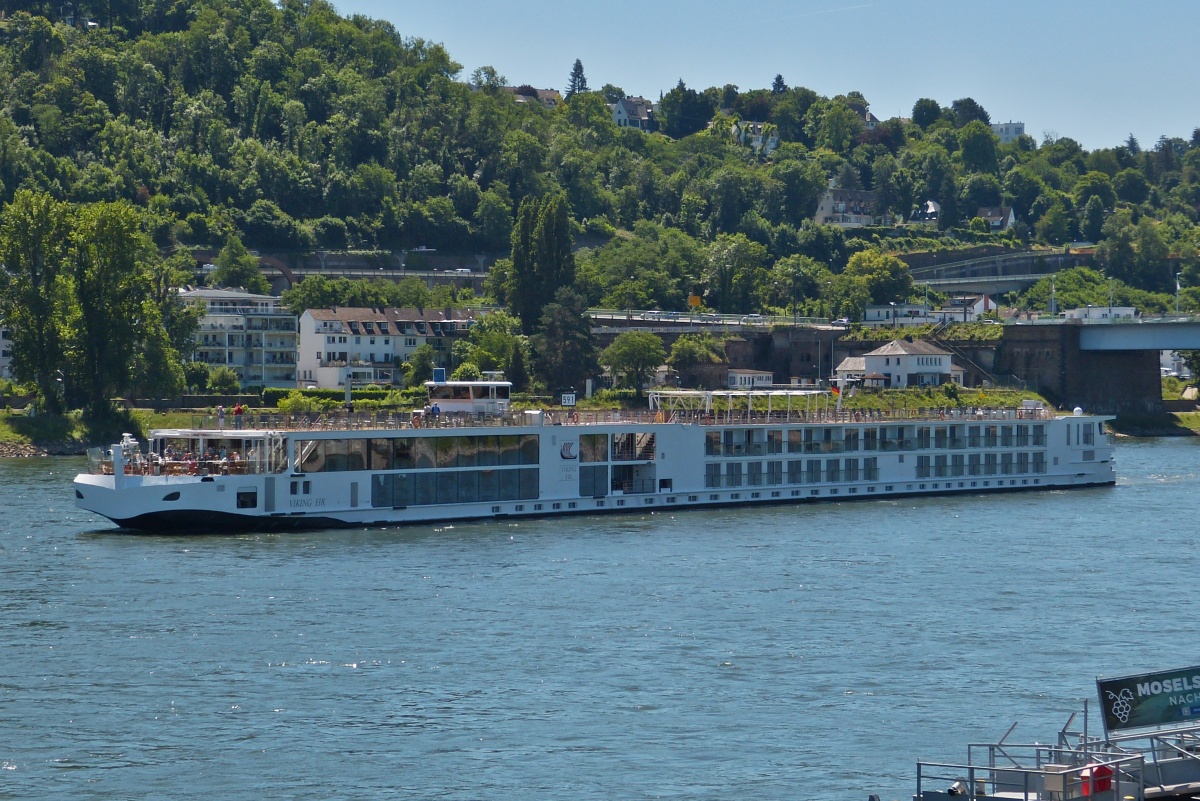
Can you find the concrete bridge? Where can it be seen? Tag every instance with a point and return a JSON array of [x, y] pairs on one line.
[[992, 275], [1154, 333]]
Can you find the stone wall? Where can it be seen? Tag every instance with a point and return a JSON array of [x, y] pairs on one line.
[[1049, 359]]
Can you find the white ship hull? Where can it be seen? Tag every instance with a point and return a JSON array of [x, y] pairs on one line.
[[380, 477]]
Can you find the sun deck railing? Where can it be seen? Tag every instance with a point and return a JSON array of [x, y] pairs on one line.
[[352, 421]]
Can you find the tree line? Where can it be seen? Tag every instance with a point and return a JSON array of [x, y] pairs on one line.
[[239, 124]]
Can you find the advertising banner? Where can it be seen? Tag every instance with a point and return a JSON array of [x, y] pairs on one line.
[[1151, 699]]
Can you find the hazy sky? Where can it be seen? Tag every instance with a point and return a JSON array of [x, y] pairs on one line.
[[1095, 71]]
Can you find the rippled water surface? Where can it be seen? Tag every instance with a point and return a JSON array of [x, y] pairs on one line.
[[805, 652]]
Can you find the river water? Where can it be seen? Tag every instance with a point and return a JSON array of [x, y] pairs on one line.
[[805, 652]]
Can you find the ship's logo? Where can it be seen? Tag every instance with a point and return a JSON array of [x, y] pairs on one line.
[[1121, 704], [567, 451]]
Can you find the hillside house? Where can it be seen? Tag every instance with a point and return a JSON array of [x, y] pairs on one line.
[[634, 112]]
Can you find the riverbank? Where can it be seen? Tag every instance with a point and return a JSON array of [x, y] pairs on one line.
[[1169, 424]]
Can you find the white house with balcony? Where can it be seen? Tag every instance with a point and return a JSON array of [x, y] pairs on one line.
[[252, 334], [901, 363], [368, 345], [847, 208]]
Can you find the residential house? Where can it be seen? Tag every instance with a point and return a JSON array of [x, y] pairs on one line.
[[549, 98], [749, 379], [1008, 131], [967, 308], [252, 334], [998, 218], [927, 212], [634, 112], [368, 345], [901, 363], [756, 136], [847, 208]]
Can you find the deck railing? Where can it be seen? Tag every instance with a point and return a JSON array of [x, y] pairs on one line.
[[384, 419]]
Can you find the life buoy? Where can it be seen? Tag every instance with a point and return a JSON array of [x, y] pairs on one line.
[[575, 417]]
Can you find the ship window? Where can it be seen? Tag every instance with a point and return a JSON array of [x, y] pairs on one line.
[[485, 451], [593, 448], [171, 496], [593, 480], [423, 452], [247, 499], [424, 489], [489, 485], [447, 451], [381, 454], [570, 504], [468, 486], [402, 454], [311, 455], [508, 448], [529, 449]]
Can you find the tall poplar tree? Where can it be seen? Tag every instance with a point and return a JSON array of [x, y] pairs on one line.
[[542, 260], [36, 296]]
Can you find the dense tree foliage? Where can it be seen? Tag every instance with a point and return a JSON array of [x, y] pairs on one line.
[[245, 124]]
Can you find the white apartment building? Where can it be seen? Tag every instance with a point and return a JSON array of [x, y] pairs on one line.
[[1008, 131], [252, 334], [368, 345]]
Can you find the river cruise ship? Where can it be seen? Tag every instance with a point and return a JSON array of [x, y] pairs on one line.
[[468, 456]]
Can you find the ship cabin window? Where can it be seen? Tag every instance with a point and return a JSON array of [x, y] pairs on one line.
[[774, 442], [712, 443], [923, 437], [247, 499], [796, 439], [850, 439], [870, 439]]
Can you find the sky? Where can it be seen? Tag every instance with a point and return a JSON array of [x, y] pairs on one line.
[[1093, 70]]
